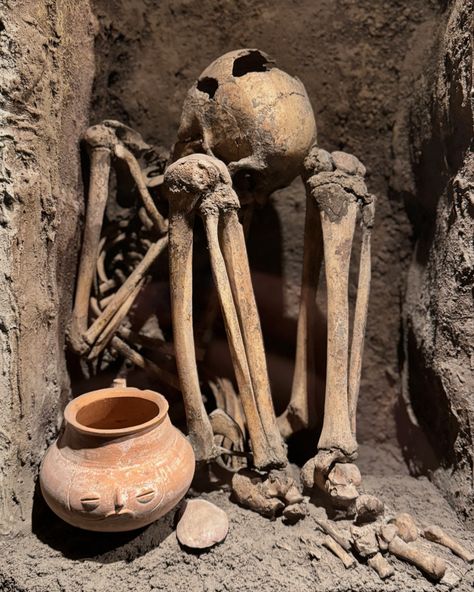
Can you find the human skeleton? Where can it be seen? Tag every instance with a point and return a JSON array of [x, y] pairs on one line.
[[247, 129]]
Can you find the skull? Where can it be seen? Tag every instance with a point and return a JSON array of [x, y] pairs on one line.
[[254, 117]]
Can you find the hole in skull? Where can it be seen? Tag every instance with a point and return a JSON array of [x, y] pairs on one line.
[[245, 180], [253, 61], [208, 85]]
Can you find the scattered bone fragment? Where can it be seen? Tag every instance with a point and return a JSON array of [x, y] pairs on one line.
[[295, 512], [342, 482], [380, 564], [436, 534], [311, 547], [368, 508], [433, 566], [281, 483], [314, 553], [336, 548], [202, 525], [293, 495], [364, 540], [334, 532], [386, 533], [451, 579], [407, 528], [250, 492]]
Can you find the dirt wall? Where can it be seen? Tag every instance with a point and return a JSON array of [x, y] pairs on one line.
[[46, 71], [438, 181]]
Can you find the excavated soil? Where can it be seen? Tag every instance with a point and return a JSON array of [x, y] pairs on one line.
[[258, 554]]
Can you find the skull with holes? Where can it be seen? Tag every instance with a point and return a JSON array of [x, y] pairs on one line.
[[254, 117]]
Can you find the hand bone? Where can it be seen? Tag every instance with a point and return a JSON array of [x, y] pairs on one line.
[[379, 564]]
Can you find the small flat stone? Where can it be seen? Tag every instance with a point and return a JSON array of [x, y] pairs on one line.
[[202, 525]]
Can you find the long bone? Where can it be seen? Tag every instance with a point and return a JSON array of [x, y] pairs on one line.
[[99, 141], [361, 307], [300, 412], [104, 141], [200, 184], [336, 185]]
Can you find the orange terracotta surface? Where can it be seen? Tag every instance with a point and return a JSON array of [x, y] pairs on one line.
[[119, 464]]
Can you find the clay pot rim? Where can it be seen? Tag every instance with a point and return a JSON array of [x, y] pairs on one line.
[[73, 407]]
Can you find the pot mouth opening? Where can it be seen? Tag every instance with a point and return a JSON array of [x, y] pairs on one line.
[[115, 412]]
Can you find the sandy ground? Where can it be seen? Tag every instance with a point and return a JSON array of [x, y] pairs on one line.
[[258, 554]]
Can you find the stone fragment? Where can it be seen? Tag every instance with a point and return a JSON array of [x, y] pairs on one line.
[[202, 525], [450, 579]]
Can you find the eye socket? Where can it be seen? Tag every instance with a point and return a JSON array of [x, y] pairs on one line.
[[245, 180], [146, 496], [90, 502]]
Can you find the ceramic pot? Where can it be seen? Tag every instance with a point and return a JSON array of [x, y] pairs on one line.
[[119, 464]]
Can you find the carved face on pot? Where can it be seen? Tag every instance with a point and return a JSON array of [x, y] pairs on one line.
[[128, 494], [254, 117]]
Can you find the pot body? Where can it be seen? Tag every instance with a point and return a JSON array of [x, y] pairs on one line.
[[119, 464]]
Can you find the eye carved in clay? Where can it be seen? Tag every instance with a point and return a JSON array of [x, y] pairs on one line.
[[146, 496], [90, 502]]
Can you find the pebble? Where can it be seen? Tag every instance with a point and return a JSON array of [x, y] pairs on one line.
[[202, 525]]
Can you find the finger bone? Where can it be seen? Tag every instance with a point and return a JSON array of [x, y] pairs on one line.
[[333, 532], [343, 555]]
